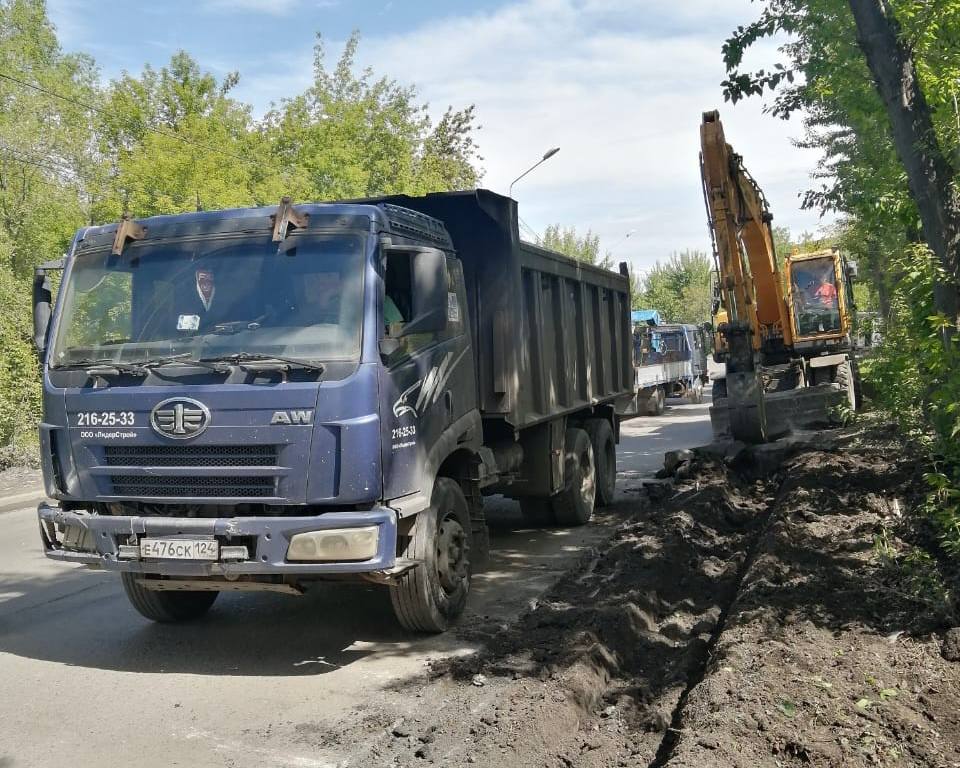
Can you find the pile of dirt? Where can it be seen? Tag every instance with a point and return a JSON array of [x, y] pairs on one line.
[[827, 657], [754, 612]]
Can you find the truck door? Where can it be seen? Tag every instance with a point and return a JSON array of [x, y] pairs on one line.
[[427, 379]]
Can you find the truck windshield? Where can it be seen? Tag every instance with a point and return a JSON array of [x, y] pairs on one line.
[[210, 299], [652, 346]]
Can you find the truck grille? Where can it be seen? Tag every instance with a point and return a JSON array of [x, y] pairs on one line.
[[182, 487], [190, 455]]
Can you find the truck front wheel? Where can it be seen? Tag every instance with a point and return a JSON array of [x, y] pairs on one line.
[[166, 607], [574, 504], [432, 595]]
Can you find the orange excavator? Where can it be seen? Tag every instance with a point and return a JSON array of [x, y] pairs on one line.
[[783, 332]]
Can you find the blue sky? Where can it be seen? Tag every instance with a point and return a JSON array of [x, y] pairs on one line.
[[618, 85]]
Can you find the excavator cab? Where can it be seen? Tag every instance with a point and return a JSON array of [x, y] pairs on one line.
[[819, 298]]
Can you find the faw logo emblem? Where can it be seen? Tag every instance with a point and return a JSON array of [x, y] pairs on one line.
[[180, 418], [292, 417]]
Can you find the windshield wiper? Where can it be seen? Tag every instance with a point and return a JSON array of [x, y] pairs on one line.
[[105, 367], [241, 358], [183, 357]]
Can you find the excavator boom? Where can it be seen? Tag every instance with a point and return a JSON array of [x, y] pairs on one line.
[[751, 284]]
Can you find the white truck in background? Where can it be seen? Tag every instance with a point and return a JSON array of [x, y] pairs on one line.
[[670, 360]]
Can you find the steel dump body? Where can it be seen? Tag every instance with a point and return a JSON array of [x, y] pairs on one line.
[[551, 335]]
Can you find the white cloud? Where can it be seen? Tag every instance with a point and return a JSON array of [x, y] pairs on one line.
[[619, 86], [267, 7]]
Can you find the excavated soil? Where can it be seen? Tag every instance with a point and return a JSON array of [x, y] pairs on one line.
[[767, 607]]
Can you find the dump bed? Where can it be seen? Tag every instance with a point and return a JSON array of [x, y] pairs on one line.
[[552, 334]]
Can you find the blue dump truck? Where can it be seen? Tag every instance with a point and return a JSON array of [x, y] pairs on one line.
[[262, 398]]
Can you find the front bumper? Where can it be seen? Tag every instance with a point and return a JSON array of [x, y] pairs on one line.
[[95, 541]]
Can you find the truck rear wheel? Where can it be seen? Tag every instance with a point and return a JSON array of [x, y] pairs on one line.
[[574, 504], [166, 607], [429, 597], [604, 459]]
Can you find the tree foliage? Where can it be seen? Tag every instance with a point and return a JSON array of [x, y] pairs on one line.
[[680, 288], [824, 78], [584, 248], [74, 151]]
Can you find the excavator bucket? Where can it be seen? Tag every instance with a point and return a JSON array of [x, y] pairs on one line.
[[777, 413]]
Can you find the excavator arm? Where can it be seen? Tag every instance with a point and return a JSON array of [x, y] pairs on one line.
[[751, 288], [751, 291]]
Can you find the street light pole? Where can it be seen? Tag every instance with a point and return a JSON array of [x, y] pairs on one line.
[[546, 156]]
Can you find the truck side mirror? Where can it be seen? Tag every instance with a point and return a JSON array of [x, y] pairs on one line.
[[427, 270], [853, 270], [42, 309]]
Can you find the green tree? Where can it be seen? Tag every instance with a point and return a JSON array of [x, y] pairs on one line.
[[176, 139], [584, 248], [877, 83], [19, 382], [356, 135], [44, 165], [44, 141], [680, 288], [73, 152], [782, 243]]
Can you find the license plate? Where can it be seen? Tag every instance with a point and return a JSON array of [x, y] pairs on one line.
[[180, 549]]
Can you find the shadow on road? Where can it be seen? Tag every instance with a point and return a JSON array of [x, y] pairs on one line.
[[76, 617], [82, 618]]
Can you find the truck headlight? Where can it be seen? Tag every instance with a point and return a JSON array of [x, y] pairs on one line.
[[335, 544]]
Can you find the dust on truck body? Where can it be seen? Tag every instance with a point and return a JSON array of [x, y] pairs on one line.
[[257, 399]]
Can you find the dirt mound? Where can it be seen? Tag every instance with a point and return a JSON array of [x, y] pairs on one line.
[[823, 659], [754, 613]]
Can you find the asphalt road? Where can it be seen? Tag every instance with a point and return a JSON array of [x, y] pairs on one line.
[[85, 681]]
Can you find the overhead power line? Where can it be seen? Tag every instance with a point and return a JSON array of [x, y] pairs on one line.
[[14, 154], [64, 175], [105, 113]]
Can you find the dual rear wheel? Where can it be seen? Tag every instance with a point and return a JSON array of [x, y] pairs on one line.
[[590, 473]]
